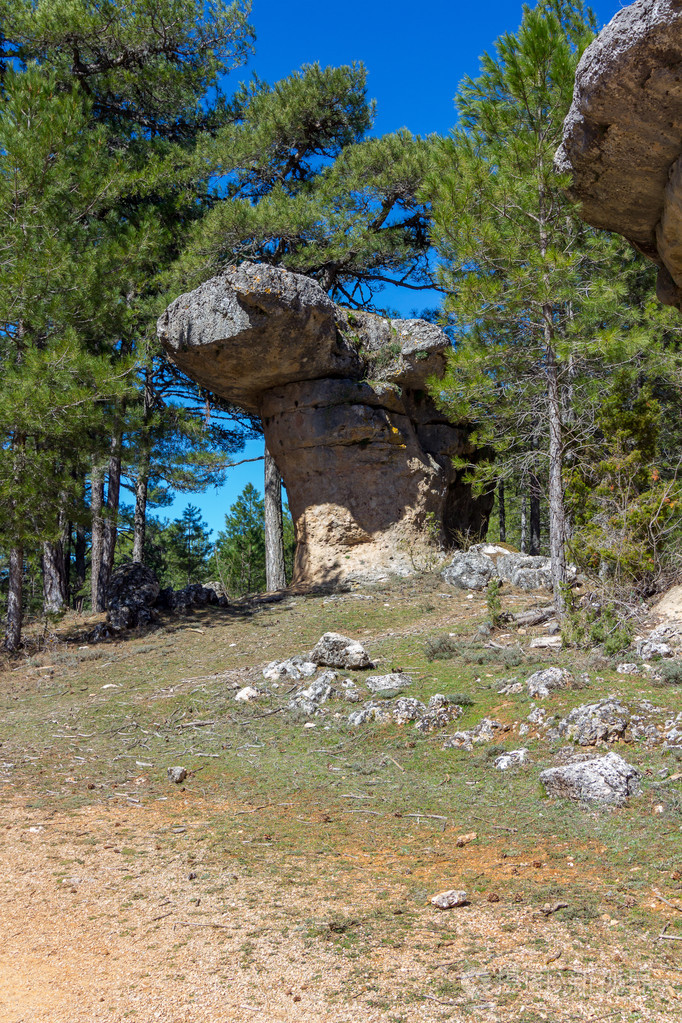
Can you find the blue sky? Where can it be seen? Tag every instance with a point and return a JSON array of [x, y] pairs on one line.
[[415, 57]]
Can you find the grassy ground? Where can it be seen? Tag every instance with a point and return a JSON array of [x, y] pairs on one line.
[[330, 840]]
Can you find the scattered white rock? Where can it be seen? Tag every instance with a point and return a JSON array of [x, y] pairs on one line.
[[510, 759], [394, 682], [351, 692], [648, 649], [590, 723], [372, 711], [333, 650], [177, 774], [449, 899], [537, 716], [484, 731], [318, 692], [473, 569], [441, 710], [607, 780], [546, 643], [246, 694], [511, 689], [294, 668], [628, 669], [541, 683], [525, 571], [406, 709]]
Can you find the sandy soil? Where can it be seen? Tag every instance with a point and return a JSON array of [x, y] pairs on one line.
[[114, 913]]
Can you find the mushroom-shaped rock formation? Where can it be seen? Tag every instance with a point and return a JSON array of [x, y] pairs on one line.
[[365, 455], [623, 135]]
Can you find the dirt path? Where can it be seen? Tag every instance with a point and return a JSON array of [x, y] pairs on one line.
[[116, 913]]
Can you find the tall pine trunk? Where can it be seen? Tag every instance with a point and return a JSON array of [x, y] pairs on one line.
[[15, 599], [15, 593], [55, 593], [557, 513], [79, 581], [534, 516], [275, 577], [110, 530], [142, 480], [140, 522], [53, 564], [96, 505], [524, 524], [557, 516], [502, 511]]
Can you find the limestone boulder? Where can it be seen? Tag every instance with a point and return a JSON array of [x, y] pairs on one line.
[[541, 683], [608, 779], [333, 650], [469, 570], [365, 455], [623, 135]]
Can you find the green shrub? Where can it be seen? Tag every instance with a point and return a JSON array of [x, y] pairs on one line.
[[670, 673], [441, 648]]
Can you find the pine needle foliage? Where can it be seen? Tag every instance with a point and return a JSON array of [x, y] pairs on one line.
[[538, 304]]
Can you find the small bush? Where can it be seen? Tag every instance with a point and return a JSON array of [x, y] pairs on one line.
[[493, 602], [595, 624], [670, 673], [441, 648], [510, 657], [462, 699]]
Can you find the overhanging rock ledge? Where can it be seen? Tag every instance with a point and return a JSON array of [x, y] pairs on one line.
[[365, 455], [623, 135]]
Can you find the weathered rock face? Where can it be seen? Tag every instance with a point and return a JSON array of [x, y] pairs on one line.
[[623, 135], [364, 453]]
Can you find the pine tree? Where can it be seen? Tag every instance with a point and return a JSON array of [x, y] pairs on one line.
[[240, 547], [530, 290], [188, 546], [292, 179], [141, 73], [65, 260]]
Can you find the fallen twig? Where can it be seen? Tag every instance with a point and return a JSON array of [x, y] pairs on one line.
[[667, 901], [195, 724], [259, 717], [426, 816], [198, 923], [441, 1001], [263, 806], [375, 813], [162, 917]]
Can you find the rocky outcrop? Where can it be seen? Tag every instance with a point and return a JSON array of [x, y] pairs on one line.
[[623, 135], [365, 455], [131, 595], [473, 569]]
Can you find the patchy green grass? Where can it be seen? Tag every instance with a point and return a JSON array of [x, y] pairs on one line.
[[88, 725]]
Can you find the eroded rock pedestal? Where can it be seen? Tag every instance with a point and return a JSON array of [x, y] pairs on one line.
[[623, 135], [365, 455]]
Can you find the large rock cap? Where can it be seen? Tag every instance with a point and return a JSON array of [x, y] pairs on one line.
[[623, 134]]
